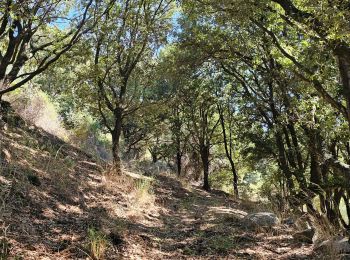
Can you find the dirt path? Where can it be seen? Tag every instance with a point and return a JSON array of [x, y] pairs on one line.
[[194, 224], [52, 194]]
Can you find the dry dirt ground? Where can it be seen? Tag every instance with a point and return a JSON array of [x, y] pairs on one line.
[[52, 195]]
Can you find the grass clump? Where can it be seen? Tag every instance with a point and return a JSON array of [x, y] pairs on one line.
[[143, 194], [4, 249], [97, 244], [221, 243]]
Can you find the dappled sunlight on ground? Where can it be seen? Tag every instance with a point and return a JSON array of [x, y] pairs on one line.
[[53, 193]]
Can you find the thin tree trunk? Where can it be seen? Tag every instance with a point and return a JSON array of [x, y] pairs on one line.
[[229, 154], [179, 162]]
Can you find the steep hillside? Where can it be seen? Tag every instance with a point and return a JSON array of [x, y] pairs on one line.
[[57, 202]]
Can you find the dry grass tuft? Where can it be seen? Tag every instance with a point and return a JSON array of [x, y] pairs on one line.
[[4, 244], [111, 181], [139, 188], [35, 106], [143, 193], [324, 229], [97, 244], [186, 184], [256, 206]]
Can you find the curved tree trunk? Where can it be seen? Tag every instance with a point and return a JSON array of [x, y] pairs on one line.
[[228, 152]]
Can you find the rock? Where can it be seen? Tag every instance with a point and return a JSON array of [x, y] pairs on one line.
[[338, 246], [261, 219], [288, 221], [304, 236]]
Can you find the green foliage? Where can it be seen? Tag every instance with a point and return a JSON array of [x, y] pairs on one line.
[[222, 180]]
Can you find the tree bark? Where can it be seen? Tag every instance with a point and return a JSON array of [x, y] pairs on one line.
[[179, 162], [229, 153], [204, 151], [116, 140], [344, 68]]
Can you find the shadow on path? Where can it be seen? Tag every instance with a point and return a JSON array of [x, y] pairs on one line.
[[195, 224]]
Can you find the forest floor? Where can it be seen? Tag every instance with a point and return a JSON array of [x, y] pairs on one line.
[[57, 202]]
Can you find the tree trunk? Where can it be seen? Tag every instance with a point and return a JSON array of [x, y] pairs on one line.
[[178, 162], [229, 153], [283, 161], [154, 154], [299, 174], [116, 140], [316, 172], [235, 178], [196, 165], [205, 163], [343, 55], [282, 154]]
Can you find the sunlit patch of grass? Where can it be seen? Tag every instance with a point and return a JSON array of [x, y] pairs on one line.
[[143, 192], [111, 181], [254, 206], [186, 184], [139, 191], [97, 244], [36, 107]]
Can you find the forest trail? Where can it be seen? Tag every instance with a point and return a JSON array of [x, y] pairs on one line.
[[58, 203], [195, 224], [104, 102]]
